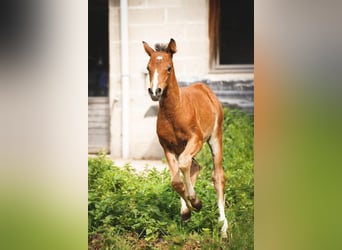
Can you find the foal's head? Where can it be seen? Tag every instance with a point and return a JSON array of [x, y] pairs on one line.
[[160, 67]]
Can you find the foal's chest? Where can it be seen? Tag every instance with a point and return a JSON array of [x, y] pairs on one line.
[[174, 138]]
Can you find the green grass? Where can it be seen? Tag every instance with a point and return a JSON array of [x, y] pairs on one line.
[[127, 210]]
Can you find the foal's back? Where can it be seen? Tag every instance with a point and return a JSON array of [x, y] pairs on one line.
[[201, 100], [199, 93]]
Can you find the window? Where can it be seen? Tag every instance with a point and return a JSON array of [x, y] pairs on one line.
[[231, 34]]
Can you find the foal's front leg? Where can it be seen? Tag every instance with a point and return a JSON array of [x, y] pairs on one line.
[[176, 180], [185, 161], [194, 172]]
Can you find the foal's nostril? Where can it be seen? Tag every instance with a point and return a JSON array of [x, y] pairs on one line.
[[157, 92]]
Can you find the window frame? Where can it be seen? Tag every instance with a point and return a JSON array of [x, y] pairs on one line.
[[214, 53]]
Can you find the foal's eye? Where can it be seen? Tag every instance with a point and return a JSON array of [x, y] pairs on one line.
[[169, 69], [148, 69]]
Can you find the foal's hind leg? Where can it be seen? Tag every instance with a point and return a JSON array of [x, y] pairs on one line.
[[215, 143], [194, 172]]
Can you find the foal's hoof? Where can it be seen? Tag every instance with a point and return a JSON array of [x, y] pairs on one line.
[[186, 216], [196, 204]]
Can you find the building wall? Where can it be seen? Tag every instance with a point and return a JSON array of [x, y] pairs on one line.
[[154, 21]]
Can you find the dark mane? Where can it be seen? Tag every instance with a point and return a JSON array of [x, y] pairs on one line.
[[160, 47]]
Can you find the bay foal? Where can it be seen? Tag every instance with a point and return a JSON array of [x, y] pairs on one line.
[[187, 118]]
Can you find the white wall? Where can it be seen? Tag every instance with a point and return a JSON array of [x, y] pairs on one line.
[[154, 21]]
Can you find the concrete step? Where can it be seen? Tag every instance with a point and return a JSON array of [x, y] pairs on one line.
[[245, 94], [235, 94], [231, 85], [244, 105]]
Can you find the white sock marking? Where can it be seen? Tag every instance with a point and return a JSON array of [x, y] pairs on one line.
[[184, 208], [223, 218]]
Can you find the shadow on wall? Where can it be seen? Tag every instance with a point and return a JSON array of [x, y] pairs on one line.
[[152, 111], [154, 151]]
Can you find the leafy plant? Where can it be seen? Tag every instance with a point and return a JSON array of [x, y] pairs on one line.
[[127, 210], [238, 162]]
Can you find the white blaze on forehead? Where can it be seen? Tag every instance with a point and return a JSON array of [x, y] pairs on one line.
[[159, 57], [155, 81]]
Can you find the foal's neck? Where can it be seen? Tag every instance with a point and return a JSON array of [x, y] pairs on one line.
[[171, 99]]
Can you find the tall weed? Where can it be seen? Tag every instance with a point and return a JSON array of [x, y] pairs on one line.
[[127, 210]]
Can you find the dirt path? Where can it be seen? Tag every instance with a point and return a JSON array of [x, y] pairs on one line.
[[141, 165]]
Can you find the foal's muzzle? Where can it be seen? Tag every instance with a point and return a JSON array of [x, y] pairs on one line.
[[155, 95]]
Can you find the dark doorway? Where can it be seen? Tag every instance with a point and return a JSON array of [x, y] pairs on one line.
[[98, 65], [98, 48]]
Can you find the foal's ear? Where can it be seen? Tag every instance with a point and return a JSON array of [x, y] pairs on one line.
[[171, 47], [147, 48]]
